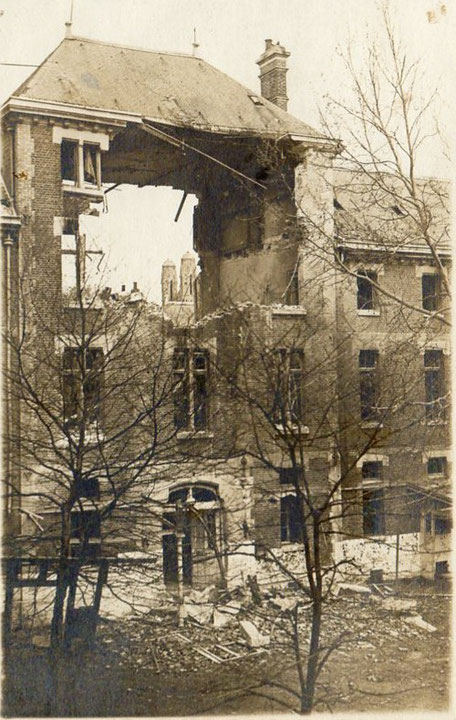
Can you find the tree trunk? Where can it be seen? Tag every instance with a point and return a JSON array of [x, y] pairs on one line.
[[307, 698], [57, 634]]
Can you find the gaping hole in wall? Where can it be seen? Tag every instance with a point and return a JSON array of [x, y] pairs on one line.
[[140, 243], [171, 191]]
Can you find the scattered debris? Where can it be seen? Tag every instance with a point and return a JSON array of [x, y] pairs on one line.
[[400, 607], [254, 638], [351, 589], [382, 589], [202, 613], [418, 621], [226, 653], [284, 604], [224, 614]]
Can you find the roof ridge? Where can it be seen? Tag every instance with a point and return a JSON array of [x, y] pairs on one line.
[[130, 47]]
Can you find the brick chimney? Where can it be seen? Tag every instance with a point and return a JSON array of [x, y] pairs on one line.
[[273, 70]]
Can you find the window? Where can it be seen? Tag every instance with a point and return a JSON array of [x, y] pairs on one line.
[[442, 525], [436, 466], [80, 163], [371, 471], [290, 475], [81, 259], [373, 512], [430, 288], [292, 290], [368, 384], [434, 384], [88, 487], [290, 519], [191, 406], [81, 385], [365, 296], [68, 160], [288, 396], [86, 530]]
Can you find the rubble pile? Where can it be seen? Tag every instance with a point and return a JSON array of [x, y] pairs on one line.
[[218, 627]]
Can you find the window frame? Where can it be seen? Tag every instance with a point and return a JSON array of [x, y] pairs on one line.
[[373, 499], [191, 384], [292, 288], [364, 280], [430, 301], [288, 404], [439, 473], [290, 521], [81, 377], [82, 152], [369, 385], [434, 385]]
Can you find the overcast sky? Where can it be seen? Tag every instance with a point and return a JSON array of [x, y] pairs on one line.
[[139, 226]]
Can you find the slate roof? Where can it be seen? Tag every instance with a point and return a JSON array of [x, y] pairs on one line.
[[175, 89], [368, 213]]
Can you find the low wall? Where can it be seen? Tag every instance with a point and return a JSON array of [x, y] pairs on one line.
[[361, 555]]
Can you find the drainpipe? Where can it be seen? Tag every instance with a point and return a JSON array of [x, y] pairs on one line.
[[180, 562], [8, 243]]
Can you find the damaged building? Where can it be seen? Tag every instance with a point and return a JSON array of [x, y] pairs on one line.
[[290, 324]]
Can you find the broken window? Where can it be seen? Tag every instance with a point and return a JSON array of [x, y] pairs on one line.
[[81, 259], [373, 512], [81, 385], [434, 384], [80, 163], [290, 519], [365, 294], [199, 532], [430, 289], [288, 404], [292, 291], [191, 403], [368, 384]]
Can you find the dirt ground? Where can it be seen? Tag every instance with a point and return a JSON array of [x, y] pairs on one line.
[[149, 667]]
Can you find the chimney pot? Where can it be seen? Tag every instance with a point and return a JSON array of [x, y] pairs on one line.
[[123, 288], [135, 286]]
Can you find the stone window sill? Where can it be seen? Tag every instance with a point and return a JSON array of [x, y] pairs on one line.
[[301, 429], [290, 546], [93, 192], [195, 435], [369, 313], [289, 310]]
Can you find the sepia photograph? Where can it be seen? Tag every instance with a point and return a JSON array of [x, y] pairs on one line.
[[226, 368]]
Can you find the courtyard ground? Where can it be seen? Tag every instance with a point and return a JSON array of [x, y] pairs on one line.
[[146, 666]]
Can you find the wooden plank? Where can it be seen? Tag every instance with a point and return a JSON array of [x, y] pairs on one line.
[[228, 650], [208, 655]]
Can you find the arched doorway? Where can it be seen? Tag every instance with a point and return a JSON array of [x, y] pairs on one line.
[[197, 508]]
